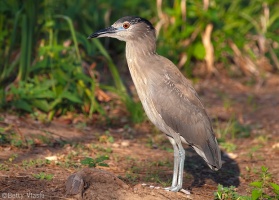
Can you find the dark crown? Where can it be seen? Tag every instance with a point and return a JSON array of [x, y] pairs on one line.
[[135, 20]]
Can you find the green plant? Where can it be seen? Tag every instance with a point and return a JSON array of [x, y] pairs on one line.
[[69, 161], [107, 137], [232, 22], [35, 163], [262, 189], [3, 136], [253, 149], [43, 176], [227, 193], [261, 186], [158, 163], [228, 146], [56, 82], [154, 177], [4, 167], [232, 130], [131, 177], [13, 157], [100, 148], [81, 125], [99, 161], [53, 80]]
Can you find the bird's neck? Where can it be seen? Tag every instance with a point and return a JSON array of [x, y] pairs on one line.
[[143, 46]]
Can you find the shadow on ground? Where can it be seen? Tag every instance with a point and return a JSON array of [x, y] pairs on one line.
[[228, 175]]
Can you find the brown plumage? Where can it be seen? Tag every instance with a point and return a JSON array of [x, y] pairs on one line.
[[168, 98]]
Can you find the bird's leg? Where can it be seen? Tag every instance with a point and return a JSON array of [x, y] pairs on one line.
[[176, 164], [181, 152], [179, 158]]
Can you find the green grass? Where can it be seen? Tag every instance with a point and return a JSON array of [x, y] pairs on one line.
[[98, 161], [106, 138], [228, 193], [4, 167], [232, 130], [228, 146], [155, 177], [130, 177], [253, 149], [43, 176], [260, 189], [11, 135], [35, 163], [102, 149]]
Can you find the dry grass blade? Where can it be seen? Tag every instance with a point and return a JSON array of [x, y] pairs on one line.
[[273, 56], [244, 62], [209, 56]]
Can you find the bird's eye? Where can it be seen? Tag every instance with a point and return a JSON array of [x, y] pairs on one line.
[[126, 25]]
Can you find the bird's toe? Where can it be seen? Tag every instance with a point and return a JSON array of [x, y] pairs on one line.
[[173, 188], [177, 189]]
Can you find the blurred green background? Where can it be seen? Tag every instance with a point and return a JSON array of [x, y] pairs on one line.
[[49, 68]]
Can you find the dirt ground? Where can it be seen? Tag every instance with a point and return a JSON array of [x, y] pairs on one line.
[[140, 157]]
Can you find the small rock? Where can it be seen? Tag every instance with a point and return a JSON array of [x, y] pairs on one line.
[[7, 148], [125, 143], [74, 184], [51, 158], [275, 146], [115, 145], [231, 155], [185, 191]]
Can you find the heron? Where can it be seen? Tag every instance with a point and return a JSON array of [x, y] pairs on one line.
[[168, 98]]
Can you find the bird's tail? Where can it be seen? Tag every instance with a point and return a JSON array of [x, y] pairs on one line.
[[211, 153]]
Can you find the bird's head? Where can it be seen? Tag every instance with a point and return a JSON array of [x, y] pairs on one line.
[[126, 29]]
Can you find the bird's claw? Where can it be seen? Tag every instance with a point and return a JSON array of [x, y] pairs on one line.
[[173, 188], [176, 189]]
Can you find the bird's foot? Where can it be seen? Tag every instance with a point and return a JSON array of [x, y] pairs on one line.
[[173, 188], [177, 188]]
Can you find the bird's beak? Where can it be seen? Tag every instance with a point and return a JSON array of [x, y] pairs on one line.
[[103, 33]]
